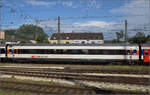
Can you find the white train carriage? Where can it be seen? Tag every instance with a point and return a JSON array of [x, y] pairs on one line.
[[2, 53], [98, 53]]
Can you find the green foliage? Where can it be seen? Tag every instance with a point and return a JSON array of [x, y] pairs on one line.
[[23, 42], [120, 35], [27, 32], [42, 39], [114, 41], [2, 41], [139, 38]]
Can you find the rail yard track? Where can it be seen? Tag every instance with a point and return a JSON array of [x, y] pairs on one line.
[[109, 71], [43, 88], [75, 76]]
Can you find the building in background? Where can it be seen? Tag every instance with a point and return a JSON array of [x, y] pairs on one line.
[[77, 38], [2, 35]]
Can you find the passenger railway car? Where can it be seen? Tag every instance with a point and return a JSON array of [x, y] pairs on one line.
[[78, 53], [2, 52], [86, 53], [146, 53]]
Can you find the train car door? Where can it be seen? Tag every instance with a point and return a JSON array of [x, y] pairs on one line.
[[146, 55]]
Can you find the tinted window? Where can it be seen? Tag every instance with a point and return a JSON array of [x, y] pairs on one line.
[[146, 52], [134, 51], [2, 51], [128, 52], [74, 51], [10, 50]]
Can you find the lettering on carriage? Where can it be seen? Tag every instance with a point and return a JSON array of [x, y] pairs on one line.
[[39, 56]]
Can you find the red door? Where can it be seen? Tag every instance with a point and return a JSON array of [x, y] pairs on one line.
[[146, 55]]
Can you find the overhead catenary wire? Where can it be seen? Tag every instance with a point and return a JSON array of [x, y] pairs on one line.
[[28, 19]]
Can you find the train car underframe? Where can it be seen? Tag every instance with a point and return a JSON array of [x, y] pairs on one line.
[[69, 61]]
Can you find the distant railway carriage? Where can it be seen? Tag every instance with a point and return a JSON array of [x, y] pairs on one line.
[[146, 53], [2, 52], [78, 53]]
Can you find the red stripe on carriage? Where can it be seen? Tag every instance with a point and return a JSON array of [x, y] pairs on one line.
[[33, 56]]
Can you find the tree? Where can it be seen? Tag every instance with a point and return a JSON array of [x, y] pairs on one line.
[[42, 39], [139, 38], [114, 41], [23, 42], [31, 31], [28, 32], [120, 35], [148, 37]]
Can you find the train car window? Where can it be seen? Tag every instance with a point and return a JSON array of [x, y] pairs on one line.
[[128, 52], [59, 51], [14, 51], [64, 51], [142, 51], [10, 50], [75, 51], [96, 52], [122, 52], [83, 42], [93, 42], [46, 51], [40, 51], [2, 51], [33, 51], [24, 51], [106, 52], [146, 52], [19, 52], [68, 51], [134, 52], [85, 51], [78, 51], [51, 51]]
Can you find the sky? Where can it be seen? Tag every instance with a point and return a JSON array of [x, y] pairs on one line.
[[106, 16]]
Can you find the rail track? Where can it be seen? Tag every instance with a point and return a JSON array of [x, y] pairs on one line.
[[75, 76], [46, 89], [109, 71], [43, 88]]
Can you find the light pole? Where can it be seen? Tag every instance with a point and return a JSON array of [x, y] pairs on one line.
[[126, 34], [0, 16], [0, 20], [58, 34]]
